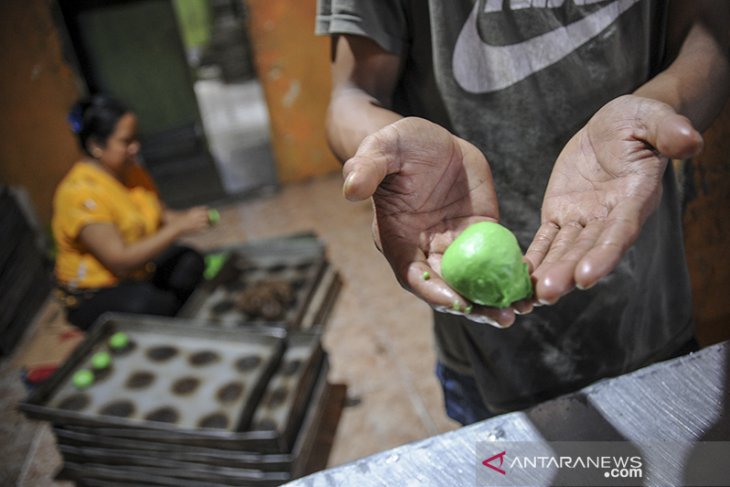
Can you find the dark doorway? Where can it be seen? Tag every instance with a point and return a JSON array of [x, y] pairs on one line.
[[229, 93], [132, 49]]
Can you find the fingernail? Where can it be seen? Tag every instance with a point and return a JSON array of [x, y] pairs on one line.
[[347, 184], [508, 323], [585, 288]]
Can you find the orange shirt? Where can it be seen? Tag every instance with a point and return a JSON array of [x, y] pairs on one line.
[[88, 194]]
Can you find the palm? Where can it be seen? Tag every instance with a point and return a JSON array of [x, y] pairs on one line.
[[605, 183], [440, 188], [433, 186]]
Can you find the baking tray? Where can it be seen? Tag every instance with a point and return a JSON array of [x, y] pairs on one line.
[[288, 392], [117, 460], [90, 474], [165, 472], [13, 222], [303, 244], [323, 299], [257, 288], [20, 283], [89, 440], [173, 377]]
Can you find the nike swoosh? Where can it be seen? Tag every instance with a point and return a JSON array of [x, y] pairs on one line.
[[483, 68]]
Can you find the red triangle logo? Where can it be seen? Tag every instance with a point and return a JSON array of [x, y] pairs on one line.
[[488, 462]]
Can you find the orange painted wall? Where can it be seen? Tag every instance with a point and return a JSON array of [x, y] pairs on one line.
[[293, 66], [36, 147], [36, 91]]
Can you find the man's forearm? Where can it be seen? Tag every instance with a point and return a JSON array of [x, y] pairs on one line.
[[352, 116], [697, 83]]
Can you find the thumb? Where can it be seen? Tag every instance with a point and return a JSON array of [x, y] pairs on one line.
[[375, 159], [672, 134], [362, 177]]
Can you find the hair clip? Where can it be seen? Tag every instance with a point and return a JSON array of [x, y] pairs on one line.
[[75, 119]]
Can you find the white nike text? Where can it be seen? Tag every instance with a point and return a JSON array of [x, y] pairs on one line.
[[496, 5], [480, 67]]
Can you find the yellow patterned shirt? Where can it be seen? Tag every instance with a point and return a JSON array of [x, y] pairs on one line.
[[87, 195]]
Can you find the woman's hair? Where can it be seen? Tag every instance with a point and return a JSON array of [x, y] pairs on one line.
[[94, 119]]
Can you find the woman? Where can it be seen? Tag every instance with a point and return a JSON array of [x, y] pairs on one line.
[[116, 240]]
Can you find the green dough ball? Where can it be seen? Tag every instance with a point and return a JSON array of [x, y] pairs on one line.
[[213, 216], [83, 378], [101, 360], [213, 264], [118, 340], [485, 265]]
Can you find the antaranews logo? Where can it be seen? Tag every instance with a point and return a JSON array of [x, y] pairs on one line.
[[612, 466], [504, 463], [567, 463]]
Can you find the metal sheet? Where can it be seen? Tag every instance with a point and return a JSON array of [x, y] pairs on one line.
[[674, 405]]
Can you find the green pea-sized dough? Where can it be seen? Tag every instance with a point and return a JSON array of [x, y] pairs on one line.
[[101, 360], [213, 216], [213, 264], [485, 265], [118, 340], [83, 378]]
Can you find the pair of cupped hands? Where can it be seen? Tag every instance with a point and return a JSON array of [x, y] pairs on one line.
[[428, 185]]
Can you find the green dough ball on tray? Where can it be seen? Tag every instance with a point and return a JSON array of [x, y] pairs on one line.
[[118, 340], [101, 360], [485, 265], [213, 264], [83, 378]]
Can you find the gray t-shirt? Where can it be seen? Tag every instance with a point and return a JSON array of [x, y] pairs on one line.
[[518, 81]]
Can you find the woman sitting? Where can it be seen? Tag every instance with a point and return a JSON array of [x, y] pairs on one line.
[[115, 239]]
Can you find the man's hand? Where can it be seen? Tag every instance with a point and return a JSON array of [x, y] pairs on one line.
[[604, 185], [427, 186]]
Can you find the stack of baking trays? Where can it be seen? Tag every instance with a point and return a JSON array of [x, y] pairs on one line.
[[166, 401], [282, 282], [25, 276]]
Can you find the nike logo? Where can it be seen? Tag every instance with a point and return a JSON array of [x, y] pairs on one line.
[[484, 68]]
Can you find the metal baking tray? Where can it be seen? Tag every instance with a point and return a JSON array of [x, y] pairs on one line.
[[323, 300], [87, 442], [295, 261], [288, 391], [171, 474], [174, 376], [257, 288], [93, 464], [91, 474]]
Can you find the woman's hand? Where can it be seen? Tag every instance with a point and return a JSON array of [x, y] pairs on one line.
[[105, 242], [192, 220], [604, 185], [427, 186]]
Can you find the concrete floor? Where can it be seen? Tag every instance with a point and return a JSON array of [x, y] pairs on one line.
[[379, 336]]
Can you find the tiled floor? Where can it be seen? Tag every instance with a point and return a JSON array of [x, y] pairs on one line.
[[379, 337]]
